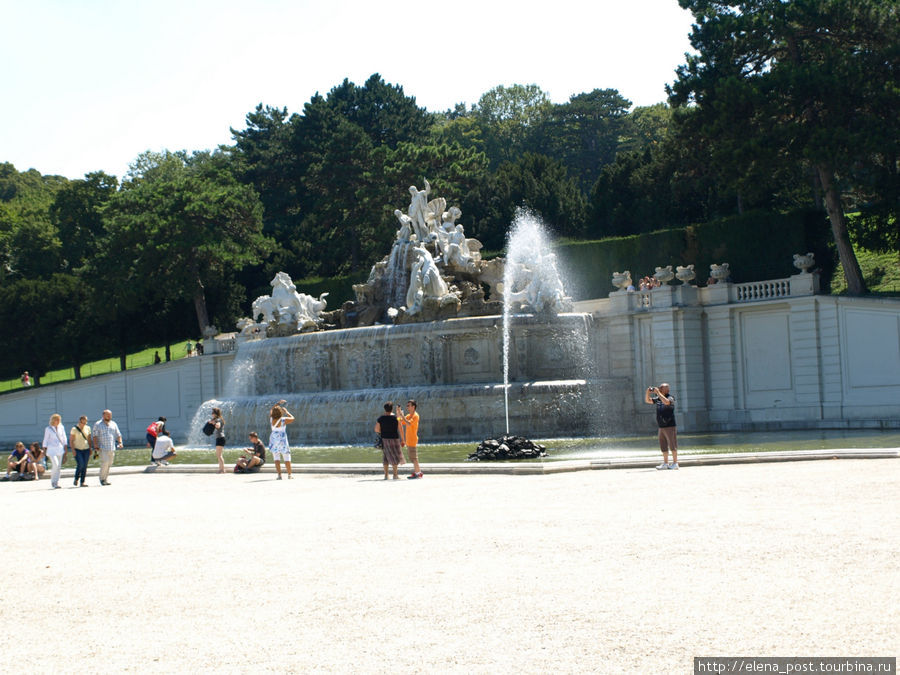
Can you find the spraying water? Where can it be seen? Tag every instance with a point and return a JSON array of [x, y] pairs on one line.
[[528, 265]]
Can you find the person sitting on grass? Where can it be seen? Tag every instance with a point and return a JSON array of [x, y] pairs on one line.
[[255, 456], [18, 461], [37, 460], [163, 449]]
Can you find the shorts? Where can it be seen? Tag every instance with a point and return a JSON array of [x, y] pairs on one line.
[[281, 456], [151, 439], [668, 440], [220, 442]]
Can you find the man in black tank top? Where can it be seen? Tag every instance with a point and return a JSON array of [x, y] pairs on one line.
[[665, 420]]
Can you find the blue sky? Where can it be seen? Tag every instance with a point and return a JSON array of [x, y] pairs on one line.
[[89, 84]]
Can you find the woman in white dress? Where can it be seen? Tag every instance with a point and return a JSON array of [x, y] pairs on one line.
[[55, 443], [278, 441]]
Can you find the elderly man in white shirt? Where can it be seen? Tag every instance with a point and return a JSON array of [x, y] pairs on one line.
[[55, 443], [106, 437]]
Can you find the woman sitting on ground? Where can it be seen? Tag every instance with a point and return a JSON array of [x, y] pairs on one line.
[[36, 460]]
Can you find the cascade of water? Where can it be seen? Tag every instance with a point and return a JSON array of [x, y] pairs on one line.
[[397, 275]]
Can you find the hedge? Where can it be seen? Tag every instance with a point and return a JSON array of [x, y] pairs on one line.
[[757, 246]]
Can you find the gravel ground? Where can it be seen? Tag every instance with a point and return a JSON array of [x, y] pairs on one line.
[[633, 571]]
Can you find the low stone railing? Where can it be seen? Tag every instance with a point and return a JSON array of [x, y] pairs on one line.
[[721, 293], [762, 290]]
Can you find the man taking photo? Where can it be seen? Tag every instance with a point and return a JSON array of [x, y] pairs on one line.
[[665, 419]]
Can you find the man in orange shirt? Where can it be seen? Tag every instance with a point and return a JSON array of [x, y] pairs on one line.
[[410, 423]]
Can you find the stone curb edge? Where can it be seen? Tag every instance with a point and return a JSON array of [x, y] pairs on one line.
[[531, 468]]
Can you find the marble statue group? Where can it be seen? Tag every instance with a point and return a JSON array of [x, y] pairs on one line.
[[434, 271]]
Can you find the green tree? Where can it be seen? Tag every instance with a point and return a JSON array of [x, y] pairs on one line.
[[646, 126], [29, 243], [585, 132], [176, 224], [539, 184], [381, 110], [807, 81], [340, 220], [511, 118], [76, 214]]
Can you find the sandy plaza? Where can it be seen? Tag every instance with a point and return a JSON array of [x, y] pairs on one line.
[[632, 570]]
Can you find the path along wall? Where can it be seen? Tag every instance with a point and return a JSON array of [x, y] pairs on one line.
[[764, 355]]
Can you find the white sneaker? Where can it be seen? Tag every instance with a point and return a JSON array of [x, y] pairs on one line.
[[662, 466], [673, 465]]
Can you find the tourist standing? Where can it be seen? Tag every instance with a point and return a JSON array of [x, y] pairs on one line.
[[278, 440], [410, 423], [56, 445], [219, 423], [26, 379], [665, 420], [389, 428], [80, 442], [106, 438]]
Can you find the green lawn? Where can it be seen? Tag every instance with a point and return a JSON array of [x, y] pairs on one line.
[[881, 272], [103, 366]]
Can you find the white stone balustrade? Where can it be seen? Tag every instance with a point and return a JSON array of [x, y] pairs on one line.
[[761, 290]]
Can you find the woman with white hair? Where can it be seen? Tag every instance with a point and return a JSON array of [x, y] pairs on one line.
[[56, 444]]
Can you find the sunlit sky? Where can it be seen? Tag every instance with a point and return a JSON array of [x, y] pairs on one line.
[[88, 85]]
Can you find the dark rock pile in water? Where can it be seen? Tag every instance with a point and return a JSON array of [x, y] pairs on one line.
[[507, 447]]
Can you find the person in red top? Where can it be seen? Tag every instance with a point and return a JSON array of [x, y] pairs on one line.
[[153, 432], [410, 423]]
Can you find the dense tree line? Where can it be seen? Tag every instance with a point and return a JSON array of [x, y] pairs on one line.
[[782, 106]]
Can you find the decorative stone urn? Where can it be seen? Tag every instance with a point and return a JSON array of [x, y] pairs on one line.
[[719, 272], [685, 274], [664, 274], [621, 280], [804, 262]]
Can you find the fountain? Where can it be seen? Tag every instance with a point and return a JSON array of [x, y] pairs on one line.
[[427, 325]]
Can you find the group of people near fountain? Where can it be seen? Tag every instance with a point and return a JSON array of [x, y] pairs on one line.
[[102, 438], [394, 432], [254, 457]]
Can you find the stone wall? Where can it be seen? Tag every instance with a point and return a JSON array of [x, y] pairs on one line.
[[135, 397], [773, 356]]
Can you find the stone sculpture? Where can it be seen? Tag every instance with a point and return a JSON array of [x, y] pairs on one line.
[[418, 210], [433, 211], [719, 272], [804, 262], [540, 287], [622, 280], [685, 274], [405, 231], [287, 311], [664, 274]]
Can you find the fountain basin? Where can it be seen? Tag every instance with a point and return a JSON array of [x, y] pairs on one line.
[[335, 382]]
